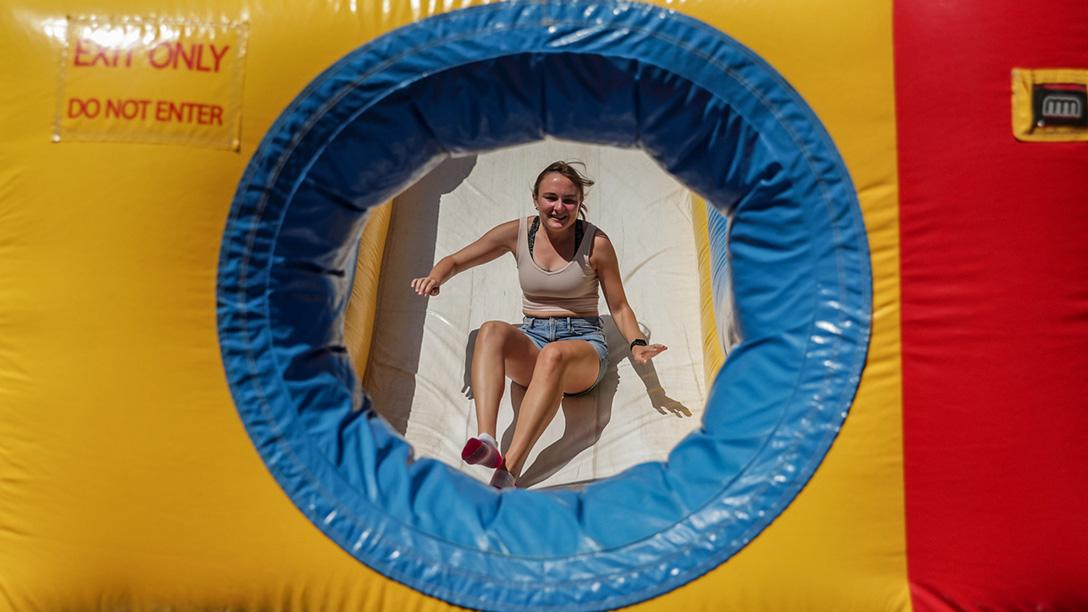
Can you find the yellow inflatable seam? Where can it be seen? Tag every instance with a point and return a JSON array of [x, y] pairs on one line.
[[359, 320], [713, 353]]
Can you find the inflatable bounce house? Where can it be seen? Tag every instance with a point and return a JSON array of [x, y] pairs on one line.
[[861, 226]]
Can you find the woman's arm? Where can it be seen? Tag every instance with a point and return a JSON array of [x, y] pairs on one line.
[[498, 240], [606, 263]]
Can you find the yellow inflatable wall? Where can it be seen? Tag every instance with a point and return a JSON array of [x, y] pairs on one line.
[[127, 480]]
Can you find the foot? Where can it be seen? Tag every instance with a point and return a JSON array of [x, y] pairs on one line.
[[482, 450], [502, 479]]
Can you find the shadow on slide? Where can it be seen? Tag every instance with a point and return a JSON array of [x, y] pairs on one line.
[[410, 249]]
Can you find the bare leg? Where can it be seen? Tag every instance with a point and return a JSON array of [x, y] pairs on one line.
[[501, 350], [566, 366]]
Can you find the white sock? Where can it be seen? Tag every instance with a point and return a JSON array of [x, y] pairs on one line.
[[486, 437]]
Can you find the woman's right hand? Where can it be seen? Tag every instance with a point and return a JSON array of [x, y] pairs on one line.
[[425, 286]]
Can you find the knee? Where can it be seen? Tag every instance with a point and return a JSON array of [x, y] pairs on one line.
[[491, 331], [551, 358]]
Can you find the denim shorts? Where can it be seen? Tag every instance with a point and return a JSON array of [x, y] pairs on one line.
[[544, 330]]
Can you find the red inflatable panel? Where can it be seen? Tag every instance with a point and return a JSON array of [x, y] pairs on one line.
[[994, 239]]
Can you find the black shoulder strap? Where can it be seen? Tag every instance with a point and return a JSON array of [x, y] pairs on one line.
[[532, 233]]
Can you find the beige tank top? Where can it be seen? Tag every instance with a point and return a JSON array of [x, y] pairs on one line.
[[570, 289]]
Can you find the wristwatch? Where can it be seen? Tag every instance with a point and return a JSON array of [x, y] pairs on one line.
[[637, 342]]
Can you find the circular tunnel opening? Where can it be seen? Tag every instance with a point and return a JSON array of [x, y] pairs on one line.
[[710, 113], [413, 355]]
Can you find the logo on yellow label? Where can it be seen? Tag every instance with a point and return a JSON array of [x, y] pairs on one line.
[[151, 80]]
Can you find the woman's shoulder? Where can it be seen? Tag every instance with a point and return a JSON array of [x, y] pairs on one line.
[[601, 247], [506, 227], [505, 233], [598, 234], [512, 225]]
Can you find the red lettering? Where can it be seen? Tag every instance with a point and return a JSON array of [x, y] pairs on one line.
[[152, 54], [188, 58], [216, 115], [89, 108], [200, 59], [80, 52], [97, 55], [218, 57], [101, 55], [75, 107], [191, 56], [188, 112], [164, 109], [127, 109], [205, 113]]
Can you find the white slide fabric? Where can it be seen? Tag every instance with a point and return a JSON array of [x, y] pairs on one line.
[[418, 371]]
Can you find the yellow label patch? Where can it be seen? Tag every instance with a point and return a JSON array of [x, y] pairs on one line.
[[1050, 104], [151, 80]]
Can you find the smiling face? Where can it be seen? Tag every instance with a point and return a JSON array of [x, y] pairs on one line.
[[558, 200]]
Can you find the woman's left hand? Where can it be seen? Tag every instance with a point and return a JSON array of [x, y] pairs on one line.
[[643, 354]]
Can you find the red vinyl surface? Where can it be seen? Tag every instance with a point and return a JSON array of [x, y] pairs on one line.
[[994, 239]]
